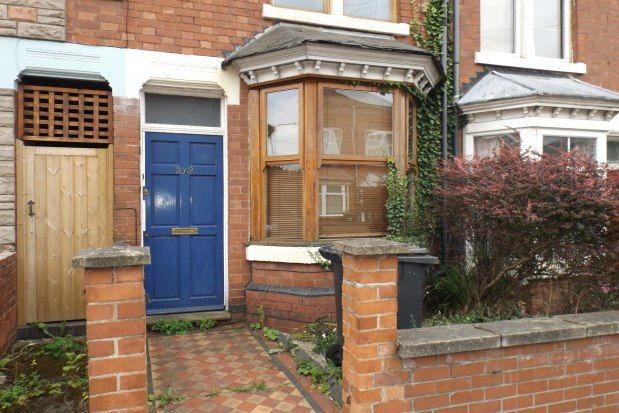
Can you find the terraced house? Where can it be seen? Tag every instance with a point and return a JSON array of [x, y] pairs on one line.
[[232, 137]]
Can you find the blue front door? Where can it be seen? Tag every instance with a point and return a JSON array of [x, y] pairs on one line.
[[184, 222]]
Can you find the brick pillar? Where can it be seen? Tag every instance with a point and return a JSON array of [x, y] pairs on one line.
[[115, 327], [373, 374]]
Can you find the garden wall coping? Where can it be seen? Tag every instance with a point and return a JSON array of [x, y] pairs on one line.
[[427, 341], [376, 246], [115, 256]]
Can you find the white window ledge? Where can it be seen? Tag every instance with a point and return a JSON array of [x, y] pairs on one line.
[[273, 253], [538, 63], [334, 20]]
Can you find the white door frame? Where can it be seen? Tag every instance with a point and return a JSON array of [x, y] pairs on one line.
[[197, 130]]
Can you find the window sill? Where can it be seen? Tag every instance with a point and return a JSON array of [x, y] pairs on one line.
[[334, 20], [277, 253], [538, 63]]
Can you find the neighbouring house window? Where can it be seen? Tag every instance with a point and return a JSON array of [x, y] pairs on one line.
[[320, 166], [182, 110], [547, 28], [497, 25], [488, 146], [553, 144], [313, 5], [612, 151], [527, 29], [333, 200], [376, 9]]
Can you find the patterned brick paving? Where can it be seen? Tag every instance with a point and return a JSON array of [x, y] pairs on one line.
[[200, 363]]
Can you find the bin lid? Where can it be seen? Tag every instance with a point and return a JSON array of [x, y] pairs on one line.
[[419, 259]]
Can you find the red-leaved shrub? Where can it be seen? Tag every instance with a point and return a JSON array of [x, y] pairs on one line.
[[525, 216]]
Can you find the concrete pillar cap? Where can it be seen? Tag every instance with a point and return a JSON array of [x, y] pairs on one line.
[[108, 257], [375, 246]]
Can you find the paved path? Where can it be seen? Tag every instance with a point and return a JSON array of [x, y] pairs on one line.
[[212, 369]]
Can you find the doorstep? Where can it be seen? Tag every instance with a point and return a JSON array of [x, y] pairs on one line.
[[215, 315]]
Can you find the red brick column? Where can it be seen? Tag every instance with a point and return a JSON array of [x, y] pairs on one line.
[[8, 300], [373, 375], [115, 327]]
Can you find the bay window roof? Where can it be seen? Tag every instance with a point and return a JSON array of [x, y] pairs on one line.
[[498, 86], [289, 50]]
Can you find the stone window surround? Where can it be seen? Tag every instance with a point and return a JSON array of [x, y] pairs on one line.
[[523, 56], [335, 18], [428, 341]]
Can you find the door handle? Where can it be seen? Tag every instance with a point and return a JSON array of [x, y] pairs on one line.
[[30, 205]]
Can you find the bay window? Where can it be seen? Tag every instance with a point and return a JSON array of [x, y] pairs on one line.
[[319, 160], [612, 151], [553, 144], [492, 145]]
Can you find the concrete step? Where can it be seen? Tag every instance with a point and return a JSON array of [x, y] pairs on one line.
[[215, 315]]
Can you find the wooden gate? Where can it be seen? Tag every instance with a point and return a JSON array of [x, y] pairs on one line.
[[64, 204]]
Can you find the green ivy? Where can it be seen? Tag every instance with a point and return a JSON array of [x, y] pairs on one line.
[[428, 34], [397, 193]]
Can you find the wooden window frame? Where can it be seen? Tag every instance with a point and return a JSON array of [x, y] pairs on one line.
[[310, 157], [328, 8]]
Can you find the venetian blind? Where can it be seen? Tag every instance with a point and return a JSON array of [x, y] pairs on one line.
[[284, 202]]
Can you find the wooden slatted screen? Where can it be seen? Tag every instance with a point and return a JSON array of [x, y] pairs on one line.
[[60, 114]]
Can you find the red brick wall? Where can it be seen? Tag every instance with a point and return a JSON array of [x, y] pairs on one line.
[[127, 171], [238, 199], [8, 300], [291, 275], [562, 376], [206, 27], [595, 40], [288, 311], [557, 376]]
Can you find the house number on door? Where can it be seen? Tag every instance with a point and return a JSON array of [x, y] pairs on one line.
[[182, 170]]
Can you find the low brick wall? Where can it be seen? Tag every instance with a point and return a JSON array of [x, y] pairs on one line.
[[561, 364], [115, 327], [291, 295], [515, 372], [8, 300]]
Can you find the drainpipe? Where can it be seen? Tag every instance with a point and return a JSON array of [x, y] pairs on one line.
[[444, 147], [456, 78]]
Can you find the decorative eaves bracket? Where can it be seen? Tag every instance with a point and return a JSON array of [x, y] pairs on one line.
[[339, 62]]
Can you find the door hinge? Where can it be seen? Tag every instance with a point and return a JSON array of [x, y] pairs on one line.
[[144, 192]]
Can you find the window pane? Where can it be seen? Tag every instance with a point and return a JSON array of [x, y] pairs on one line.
[[284, 202], [182, 110], [487, 146], [548, 28], [371, 9], [283, 123], [357, 208], [553, 144], [497, 25], [612, 152], [357, 123], [314, 5], [584, 145]]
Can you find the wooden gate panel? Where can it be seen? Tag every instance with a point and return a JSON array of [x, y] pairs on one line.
[[71, 190]]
